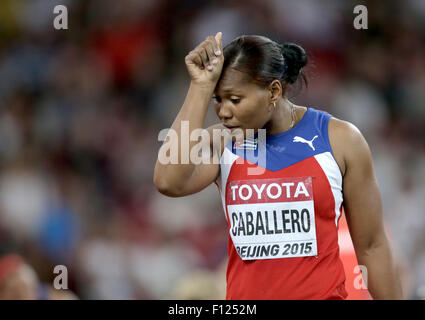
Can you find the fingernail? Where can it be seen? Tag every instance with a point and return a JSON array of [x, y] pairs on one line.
[[209, 67], [217, 53], [214, 61]]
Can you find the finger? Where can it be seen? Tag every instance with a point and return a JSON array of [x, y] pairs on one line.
[[194, 58], [209, 64], [199, 61], [209, 48], [218, 38], [215, 49], [203, 55]]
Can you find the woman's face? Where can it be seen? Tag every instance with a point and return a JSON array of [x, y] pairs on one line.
[[240, 103]]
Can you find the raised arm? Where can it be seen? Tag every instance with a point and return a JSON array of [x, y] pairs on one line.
[[363, 207], [185, 177]]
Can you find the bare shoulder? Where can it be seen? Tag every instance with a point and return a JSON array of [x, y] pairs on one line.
[[341, 129], [347, 142]]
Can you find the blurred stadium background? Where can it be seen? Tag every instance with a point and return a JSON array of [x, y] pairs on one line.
[[81, 109]]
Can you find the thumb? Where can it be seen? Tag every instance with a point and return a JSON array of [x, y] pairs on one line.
[[218, 39]]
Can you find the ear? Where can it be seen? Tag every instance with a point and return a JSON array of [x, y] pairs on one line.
[[275, 91]]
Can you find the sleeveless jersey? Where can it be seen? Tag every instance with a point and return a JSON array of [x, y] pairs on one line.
[[282, 198]]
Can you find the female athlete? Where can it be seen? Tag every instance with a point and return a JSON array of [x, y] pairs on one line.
[[283, 217]]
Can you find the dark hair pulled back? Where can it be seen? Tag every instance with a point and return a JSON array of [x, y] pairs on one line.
[[265, 60]]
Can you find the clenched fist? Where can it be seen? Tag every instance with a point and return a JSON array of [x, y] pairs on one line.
[[205, 62]]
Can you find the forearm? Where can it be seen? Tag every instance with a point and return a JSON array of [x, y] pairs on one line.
[[190, 117], [383, 279], [195, 106]]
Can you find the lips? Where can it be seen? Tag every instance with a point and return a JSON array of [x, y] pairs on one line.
[[230, 127]]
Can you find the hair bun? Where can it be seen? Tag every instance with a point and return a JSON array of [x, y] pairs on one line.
[[295, 59]]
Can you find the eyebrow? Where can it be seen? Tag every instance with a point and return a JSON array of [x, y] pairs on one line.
[[227, 90]]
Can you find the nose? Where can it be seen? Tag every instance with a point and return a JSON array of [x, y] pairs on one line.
[[224, 111]]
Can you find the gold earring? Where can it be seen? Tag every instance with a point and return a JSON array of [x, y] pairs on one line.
[[274, 105]]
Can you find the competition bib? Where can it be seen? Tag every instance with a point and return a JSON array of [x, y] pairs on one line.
[[272, 218]]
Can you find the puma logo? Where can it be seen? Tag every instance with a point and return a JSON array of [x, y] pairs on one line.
[[302, 140]]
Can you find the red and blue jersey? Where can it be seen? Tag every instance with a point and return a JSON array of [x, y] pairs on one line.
[[282, 198]]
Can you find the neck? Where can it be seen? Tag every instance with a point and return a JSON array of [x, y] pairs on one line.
[[281, 118]]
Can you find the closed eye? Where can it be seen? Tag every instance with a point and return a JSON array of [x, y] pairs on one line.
[[233, 100], [217, 98]]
